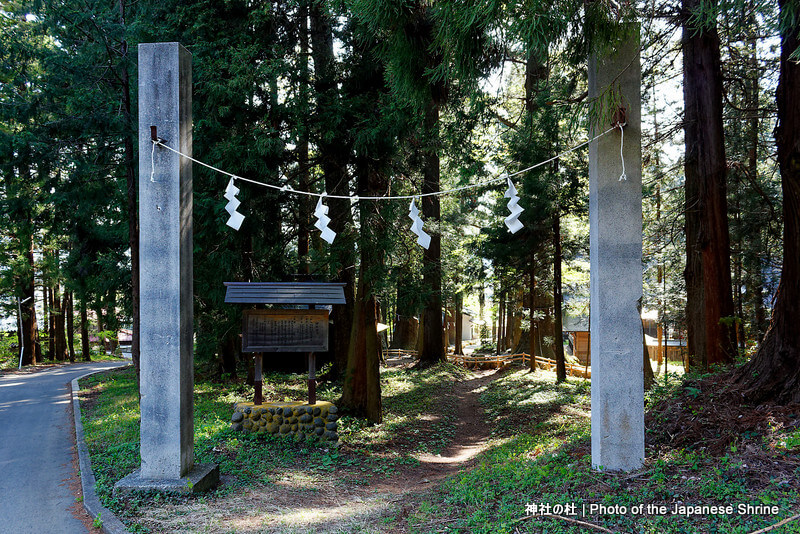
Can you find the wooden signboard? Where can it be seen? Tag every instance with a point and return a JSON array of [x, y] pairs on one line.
[[285, 331]]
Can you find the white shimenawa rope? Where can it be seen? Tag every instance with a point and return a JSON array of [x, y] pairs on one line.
[[353, 198], [622, 176], [153, 162]]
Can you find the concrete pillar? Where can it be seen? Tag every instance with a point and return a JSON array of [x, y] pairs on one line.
[[165, 230], [615, 252]]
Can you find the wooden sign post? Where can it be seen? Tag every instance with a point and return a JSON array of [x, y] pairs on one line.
[[285, 331]]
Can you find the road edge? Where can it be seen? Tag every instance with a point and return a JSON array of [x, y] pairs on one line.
[[91, 502]]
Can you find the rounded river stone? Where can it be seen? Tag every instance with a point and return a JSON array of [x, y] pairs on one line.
[[332, 417], [331, 426], [284, 429], [317, 411], [333, 409], [287, 412], [237, 417], [319, 431], [237, 427], [319, 421]]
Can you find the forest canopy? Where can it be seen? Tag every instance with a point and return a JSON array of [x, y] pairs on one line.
[[360, 98]]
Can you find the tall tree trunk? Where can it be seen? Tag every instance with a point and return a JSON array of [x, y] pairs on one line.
[[29, 312], [752, 166], [481, 313], [86, 351], [47, 313], [709, 308], [361, 391], [501, 323], [304, 182], [561, 367], [58, 324], [406, 307], [227, 356], [70, 326], [459, 319], [510, 322], [334, 154], [131, 190], [774, 372], [432, 346], [532, 333]]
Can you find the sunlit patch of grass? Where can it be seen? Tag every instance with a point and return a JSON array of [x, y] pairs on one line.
[[111, 423], [542, 456]]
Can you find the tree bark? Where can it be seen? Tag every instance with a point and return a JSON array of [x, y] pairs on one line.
[[406, 327], [334, 156], [59, 330], [131, 198], [86, 352], [29, 327], [304, 183], [432, 345], [532, 305], [361, 391], [70, 327], [227, 356], [561, 366], [709, 308], [501, 323], [47, 311], [774, 372]]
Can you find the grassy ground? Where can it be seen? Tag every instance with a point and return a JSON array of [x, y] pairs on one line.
[[544, 459], [418, 418], [538, 454]]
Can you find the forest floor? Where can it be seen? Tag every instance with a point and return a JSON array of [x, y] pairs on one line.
[[467, 451]]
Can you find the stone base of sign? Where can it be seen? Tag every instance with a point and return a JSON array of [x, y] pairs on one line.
[[201, 478], [295, 419]]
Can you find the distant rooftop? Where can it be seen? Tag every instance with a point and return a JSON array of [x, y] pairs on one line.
[[284, 293]]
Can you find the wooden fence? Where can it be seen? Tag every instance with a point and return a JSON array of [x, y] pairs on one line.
[[399, 353], [500, 360]]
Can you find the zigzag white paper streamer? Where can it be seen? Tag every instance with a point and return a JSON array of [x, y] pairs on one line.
[[321, 213], [512, 221], [423, 239], [236, 218]]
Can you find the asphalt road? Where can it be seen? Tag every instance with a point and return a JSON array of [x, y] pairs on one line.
[[36, 447]]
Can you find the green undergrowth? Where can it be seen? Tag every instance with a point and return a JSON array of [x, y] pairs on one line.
[[541, 457], [366, 451]]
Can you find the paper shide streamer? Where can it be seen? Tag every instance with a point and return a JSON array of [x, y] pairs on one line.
[[512, 221], [236, 218], [423, 239], [321, 213]]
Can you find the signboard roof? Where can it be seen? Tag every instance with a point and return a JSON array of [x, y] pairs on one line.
[[284, 293]]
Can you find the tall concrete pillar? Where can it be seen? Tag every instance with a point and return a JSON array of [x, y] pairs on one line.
[[165, 255], [615, 253]]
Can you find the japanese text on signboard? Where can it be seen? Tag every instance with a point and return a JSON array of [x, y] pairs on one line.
[[285, 331]]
